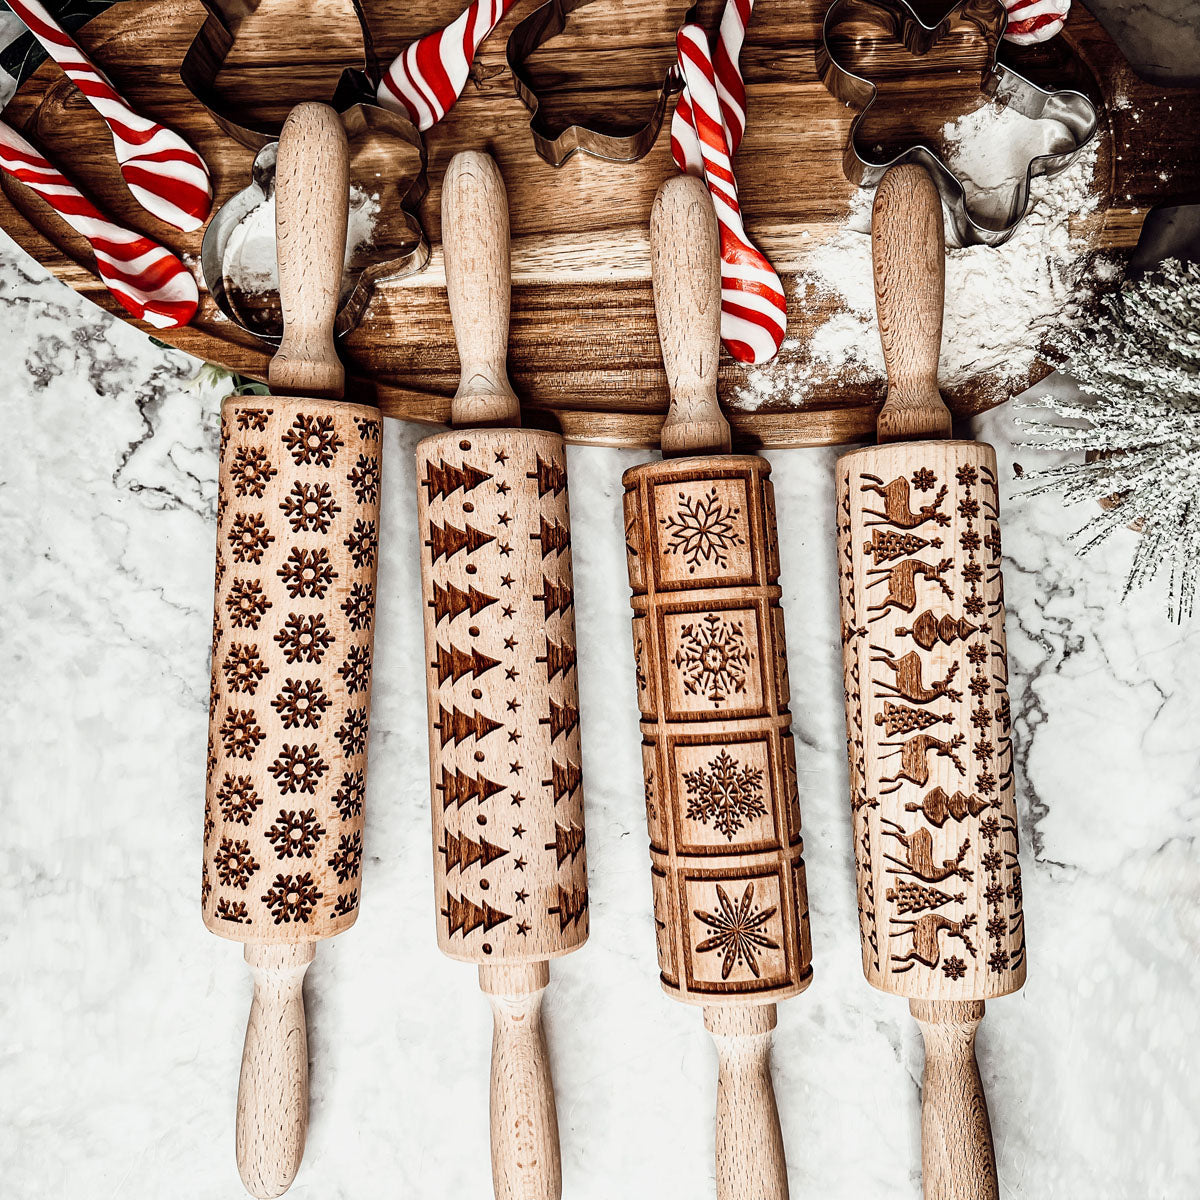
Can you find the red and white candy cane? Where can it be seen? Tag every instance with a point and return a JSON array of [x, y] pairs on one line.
[[427, 78], [166, 176], [147, 279], [753, 302], [1031, 21]]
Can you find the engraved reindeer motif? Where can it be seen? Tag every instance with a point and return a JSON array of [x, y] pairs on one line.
[[897, 508], [919, 862], [914, 765], [926, 933], [902, 583], [908, 683]]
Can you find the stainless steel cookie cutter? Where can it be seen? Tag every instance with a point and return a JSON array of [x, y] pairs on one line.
[[894, 20], [395, 137], [535, 30]]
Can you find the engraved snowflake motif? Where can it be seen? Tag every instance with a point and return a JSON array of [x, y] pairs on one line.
[[966, 476], [702, 530], [356, 670], [243, 668], [352, 732], [923, 479], [724, 794], [712, 658], [349, 797], [301, 702], [359, 606], [736, 930], [251, 471], [973, 605], [346, 860], [292, 898], [246, 603], [362, 543], [369, 428], [997, 927], [310, 507], [991, 861], [240, 733], [298, 768], [998, 960], [237, 798], [304, 637], [235, 863], [313, 441], [953, 967], [295, 833], [307, 573], [346, 903], [233, 911], [364, 479], [249, 538], [990, 828], [253, 419], [205, 887]]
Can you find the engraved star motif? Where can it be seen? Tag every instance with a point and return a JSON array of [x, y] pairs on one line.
[[504, 518], [510, 643], [521, 896], [518, 831], [520, 863], [508, 611], [514, 735], [517, 799], [511, 672], [514, 704], [503, 488], [501, 457], [504, 549], [506, 581], [522, 927], [514, 768]]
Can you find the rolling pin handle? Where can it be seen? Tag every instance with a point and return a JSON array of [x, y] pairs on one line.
[[526, 1163], [272, 1109], [958, 1161], [750, 1155]]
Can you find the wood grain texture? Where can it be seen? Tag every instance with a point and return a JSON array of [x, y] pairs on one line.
[[584, 355]]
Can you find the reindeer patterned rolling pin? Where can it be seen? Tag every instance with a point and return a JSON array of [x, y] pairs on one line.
[[297, 537], [730, 902], [510, 873], [927, 713]]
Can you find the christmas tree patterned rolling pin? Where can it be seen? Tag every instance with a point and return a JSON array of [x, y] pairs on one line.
[[730, 902], [297, 538], [510, 874], [927, 713]]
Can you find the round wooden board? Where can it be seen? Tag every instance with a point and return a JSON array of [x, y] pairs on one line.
[[584, 352]]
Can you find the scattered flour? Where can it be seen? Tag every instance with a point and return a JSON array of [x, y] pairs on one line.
[[1001, 303]]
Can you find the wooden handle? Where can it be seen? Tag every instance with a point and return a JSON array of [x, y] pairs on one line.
[[750, 1156], [272, 1107], [312, 200], [475, 242], [908, 245], [685, 260], [957, 1158], [525, 1152]]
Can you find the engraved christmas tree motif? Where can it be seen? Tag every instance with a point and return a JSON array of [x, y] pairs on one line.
[[444, 479], [304, 638], [572, 904], [712, 658], [456, 725], [310, 507], [465, 916], [702, 530], [459, 788], [555, 597], [899, 718], [249, 538], [313, 441], [451, 602], [462, 852], [292, 898], [559, 658], [927, 630], [562, 719], [455, 663], [938, 808], [568, 841], [551, 478], [725, 793], [565, 778], [243, 668], [445, 541], [888, 544], [909, 896], [736, 931], [554, 538]]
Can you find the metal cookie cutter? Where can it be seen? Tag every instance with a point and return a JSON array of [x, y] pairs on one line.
[[535, 30], [378, 139], [857, 21]]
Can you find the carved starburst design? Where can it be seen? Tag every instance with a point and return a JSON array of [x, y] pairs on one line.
[[736, 930], [725, 793], [702, 530], [713, 657]]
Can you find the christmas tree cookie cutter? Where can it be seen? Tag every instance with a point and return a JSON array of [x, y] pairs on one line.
[[854, 22], [393, 140], [556, 147]]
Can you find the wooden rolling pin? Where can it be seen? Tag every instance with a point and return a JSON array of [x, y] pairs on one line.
[[297, 538], [510, 872], [730, 901], [927, 713]]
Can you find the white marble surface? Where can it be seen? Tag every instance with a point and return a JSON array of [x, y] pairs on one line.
[[122, 1018]]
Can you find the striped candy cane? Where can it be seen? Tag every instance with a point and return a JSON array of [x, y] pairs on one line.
[[148, 280], [166, 176], [753, 302], [425, 80]]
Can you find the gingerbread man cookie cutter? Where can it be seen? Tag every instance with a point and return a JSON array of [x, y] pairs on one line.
[[854, 21]]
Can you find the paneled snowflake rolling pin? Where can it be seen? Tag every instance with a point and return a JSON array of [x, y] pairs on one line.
[[927, 714], [730, 902], [510, 876], [297, 535]]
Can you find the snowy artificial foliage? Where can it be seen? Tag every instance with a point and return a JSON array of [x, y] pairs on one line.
[[1138, 426]]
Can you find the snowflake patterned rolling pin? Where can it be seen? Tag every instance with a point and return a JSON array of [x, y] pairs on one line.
[[510, 873], [297, 540], [927, 712], [730, 901]]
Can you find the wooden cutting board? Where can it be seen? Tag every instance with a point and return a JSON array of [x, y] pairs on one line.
[[584, 351]]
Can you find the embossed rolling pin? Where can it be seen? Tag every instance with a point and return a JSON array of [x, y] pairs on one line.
[[927, 712], [730, 902], [510, 873], [297, 538]]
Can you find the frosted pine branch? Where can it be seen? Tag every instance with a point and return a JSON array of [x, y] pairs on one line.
[[1139, 426]]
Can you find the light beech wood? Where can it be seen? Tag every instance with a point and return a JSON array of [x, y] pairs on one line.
[[510, 866], [293, 631], [927, 712]]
